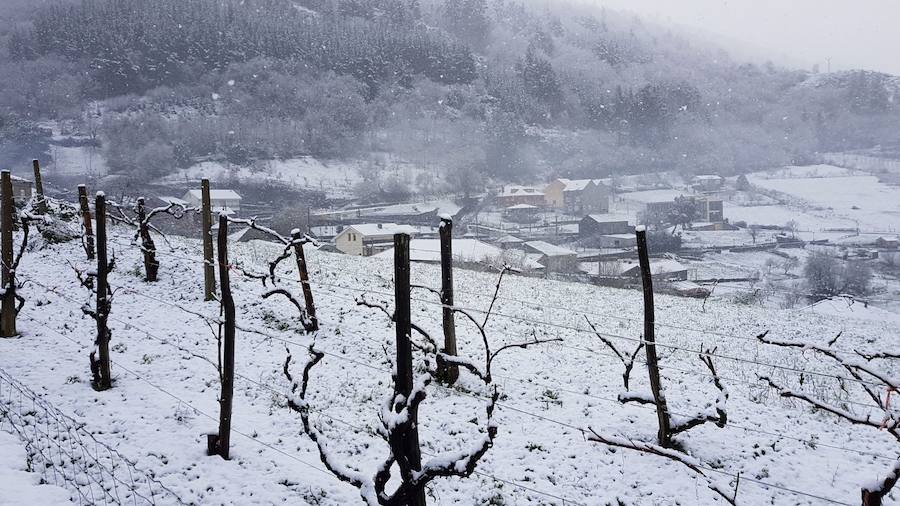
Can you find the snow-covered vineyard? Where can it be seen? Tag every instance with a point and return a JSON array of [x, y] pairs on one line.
[[144, 440]]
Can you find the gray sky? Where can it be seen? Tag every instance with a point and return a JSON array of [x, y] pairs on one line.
[[854, 34]]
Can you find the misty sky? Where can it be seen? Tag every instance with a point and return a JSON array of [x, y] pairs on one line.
[[855, 34]]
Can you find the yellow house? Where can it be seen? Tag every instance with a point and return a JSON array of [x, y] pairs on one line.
[[578, 196], [369, 238]]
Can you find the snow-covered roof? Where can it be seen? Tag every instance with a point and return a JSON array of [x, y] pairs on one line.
[[550, 250], [216, 194], [608, 218], [657, 266], [520, 207], [380, 229], [510, 239], [464, 250], [416, 209], [576, 185], [708, 177], [429, 250], [518, 191]]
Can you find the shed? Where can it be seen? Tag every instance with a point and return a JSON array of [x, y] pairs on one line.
[[220, 200], [603, 224], [554, 258], [367, 239]]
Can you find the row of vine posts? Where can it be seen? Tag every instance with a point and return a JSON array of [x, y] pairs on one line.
[[405, 448]]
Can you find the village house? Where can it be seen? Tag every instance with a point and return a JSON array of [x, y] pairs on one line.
[[21, 189], [221, 201], [887, 242], [521, 213], [707, 182], [509, 242], [650, 202], [578, 196], [368, 239], [554, 258], [514, 195], [593, 225], [710, 210], [660, 268]]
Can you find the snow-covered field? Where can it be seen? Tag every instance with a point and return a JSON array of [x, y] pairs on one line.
[[156, 414], [837, 194]]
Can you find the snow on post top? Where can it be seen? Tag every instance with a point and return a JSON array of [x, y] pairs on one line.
[[295, 231], [445, 217], [640, 228], [101, 194]]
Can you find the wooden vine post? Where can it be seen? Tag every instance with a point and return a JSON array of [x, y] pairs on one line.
[[403, 384], [447, 373], [209, 266], [219, 444], [101, 367], [151, 264], [7, 221], [39, 187], [86, 221], [303, 271], [659, 397]]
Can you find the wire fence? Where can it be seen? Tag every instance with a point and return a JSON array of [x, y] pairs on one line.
[[65, 454]]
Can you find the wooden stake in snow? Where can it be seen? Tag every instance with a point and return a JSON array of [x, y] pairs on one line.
[[209, 270], [39, 187], [151, 264], [102, 375], [447, 373], [297, 238], [86, 220], [7, 213], [221, 443], [659, 396], [404, 382]]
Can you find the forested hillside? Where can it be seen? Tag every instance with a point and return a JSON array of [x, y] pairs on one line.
[[471, 88]]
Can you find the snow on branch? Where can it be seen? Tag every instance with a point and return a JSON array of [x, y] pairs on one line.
[[869, 379], [308, 324], [682, 458], [399, 415], [720, 418]]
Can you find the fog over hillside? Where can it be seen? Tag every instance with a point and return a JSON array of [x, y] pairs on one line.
[[470, 90]]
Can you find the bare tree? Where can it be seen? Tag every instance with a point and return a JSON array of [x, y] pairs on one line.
[[398, 416], [675, 425], [141, 221], [292, 247], [870, 379]]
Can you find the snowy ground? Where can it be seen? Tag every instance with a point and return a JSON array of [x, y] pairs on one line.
[[838, 194], [20, 486], [156, 412]]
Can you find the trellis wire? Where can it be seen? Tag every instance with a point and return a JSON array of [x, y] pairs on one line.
[[69, 456]]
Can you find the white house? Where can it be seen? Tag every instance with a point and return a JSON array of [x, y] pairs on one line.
[[220, 200], [554, 258], [369, 238]]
